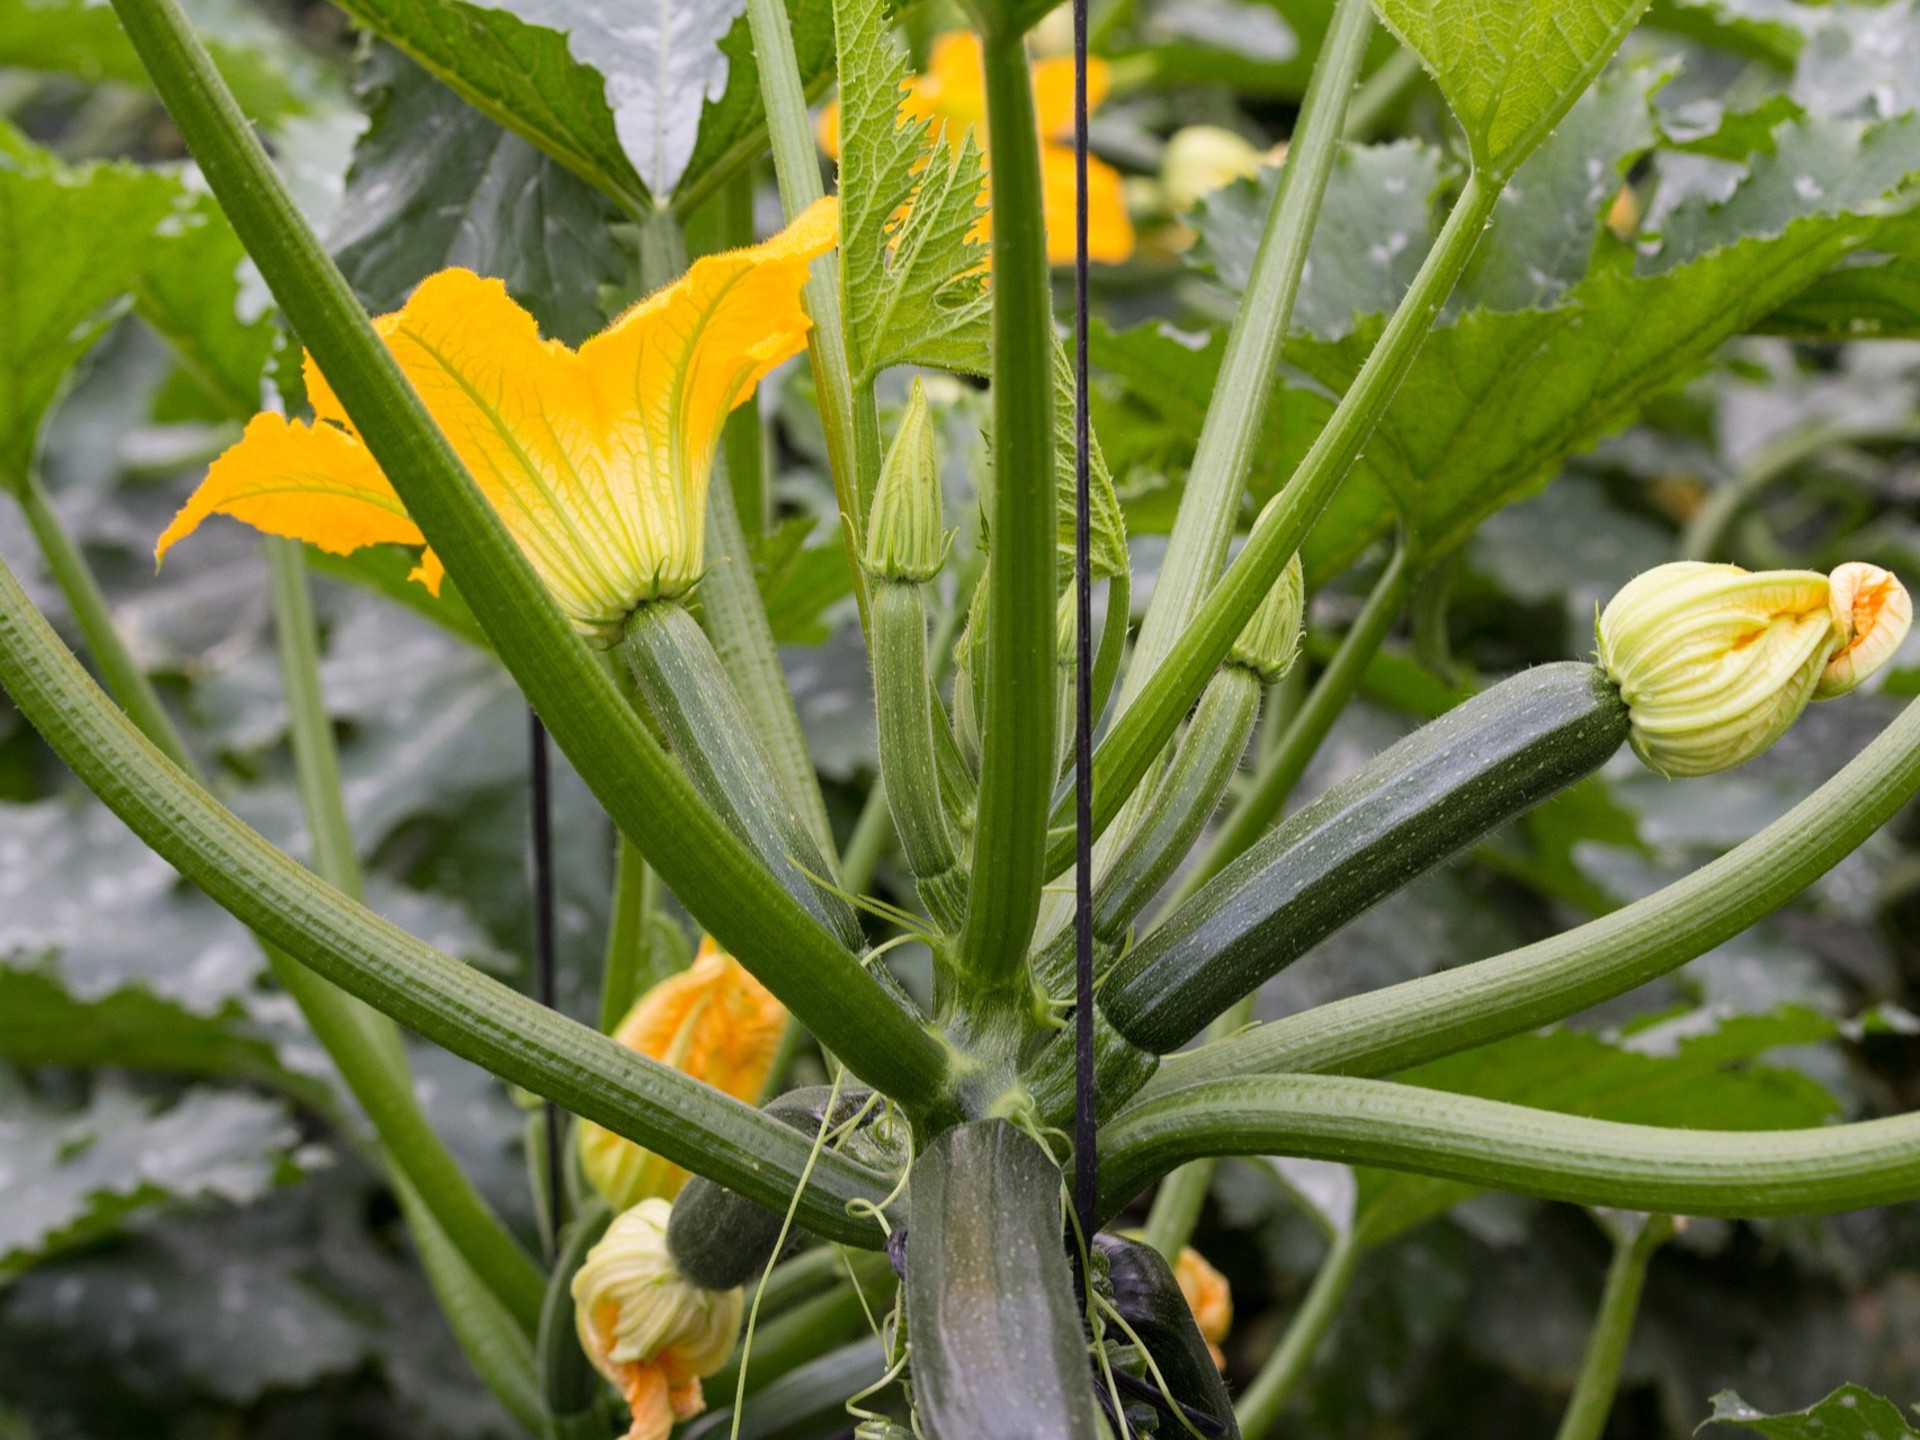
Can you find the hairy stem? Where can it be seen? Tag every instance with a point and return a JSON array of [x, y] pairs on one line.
[[1586, 1413], [1260, 1407]]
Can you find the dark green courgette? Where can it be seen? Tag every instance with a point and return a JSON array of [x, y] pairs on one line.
[[1437, 791], [720, 1239], [998, 1347], [1149, 1300]]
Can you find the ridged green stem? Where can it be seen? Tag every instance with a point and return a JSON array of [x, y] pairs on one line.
[[1260, 1406], [630, 965], [124, 678], [1210, 504], [903, 702], [796, 167], [1179, 1198], [1420, 1020], [743, 442], [690, 694], [1280, 770], [1144, 727], [1017, 728], [712, 873], [1586, 1413], [449, 1003], [1489, 1143], [869, 840]]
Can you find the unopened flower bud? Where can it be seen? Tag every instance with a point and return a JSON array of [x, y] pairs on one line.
[[650, 1331], [1203, 158], [1872, 613], [1208, 1296], [1271, 641], [1716, 662], [712, 1021], [905, 540]]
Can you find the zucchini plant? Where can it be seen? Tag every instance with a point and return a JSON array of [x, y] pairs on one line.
[[884, 1164]]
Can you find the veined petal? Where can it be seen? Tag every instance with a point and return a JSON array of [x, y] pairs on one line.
[[315, 483], [670, 369]]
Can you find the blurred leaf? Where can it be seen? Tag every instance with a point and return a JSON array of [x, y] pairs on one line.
[[1870, 297], [435, 184], [914, 281], [798, 582], [1511, 70], [270, 75], [1849, 1413], [191, 293], [77, 239], [70, 1177], [1375, 226]]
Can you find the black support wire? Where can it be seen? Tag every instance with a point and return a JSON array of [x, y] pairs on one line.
[[1085, 1172], [540, 857]]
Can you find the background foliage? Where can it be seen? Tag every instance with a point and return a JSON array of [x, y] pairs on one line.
[[190, 1243]]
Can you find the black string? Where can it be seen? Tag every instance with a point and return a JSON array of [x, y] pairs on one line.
[[1085, 1173], [539, 772]]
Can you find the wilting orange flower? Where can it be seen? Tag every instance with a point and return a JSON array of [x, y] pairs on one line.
[[712, 1021], [1208, 1296], [598, 459], [952, 95]]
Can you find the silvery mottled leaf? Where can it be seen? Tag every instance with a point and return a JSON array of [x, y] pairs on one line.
[[70, 1176]]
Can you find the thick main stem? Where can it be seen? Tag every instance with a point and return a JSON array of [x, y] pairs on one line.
[[1017, 732]]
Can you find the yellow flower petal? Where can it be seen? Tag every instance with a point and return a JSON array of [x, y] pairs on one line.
[[306, 482], [598, 461], [1053, 94], [1109, 229], [713, 1021], [1872, 613]]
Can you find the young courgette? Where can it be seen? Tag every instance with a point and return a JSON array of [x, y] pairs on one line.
[[1432, 794]]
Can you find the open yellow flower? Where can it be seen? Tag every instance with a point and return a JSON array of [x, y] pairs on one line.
[[952, 95], [598, 460], [1208, 1296], [712, 1021]]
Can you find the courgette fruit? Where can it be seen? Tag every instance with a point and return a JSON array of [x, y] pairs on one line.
[[1432, 794], [1149, 1300], [998, 1348], [720, 1239]]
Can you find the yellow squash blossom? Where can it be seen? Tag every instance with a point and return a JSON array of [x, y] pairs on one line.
[[952, 95], [1208, 1296], [597, 459], [712, 1021], [1716, 662], [648, 1329]]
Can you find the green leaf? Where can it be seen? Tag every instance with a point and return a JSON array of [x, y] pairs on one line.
[[1375, 226], [76, 240], [72, 1176], [271, 76], [1849, 1413], [1510, 68], [191, 294], [1695, 1071], [640, 102], [1866, 297], [800, 583], [915, 287], [434, 184], [1496, 401]]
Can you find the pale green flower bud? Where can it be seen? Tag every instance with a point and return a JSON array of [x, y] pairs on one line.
[[1716, 662], [651, 1332], [1271, 642], [905, 540], [1200, 159]]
